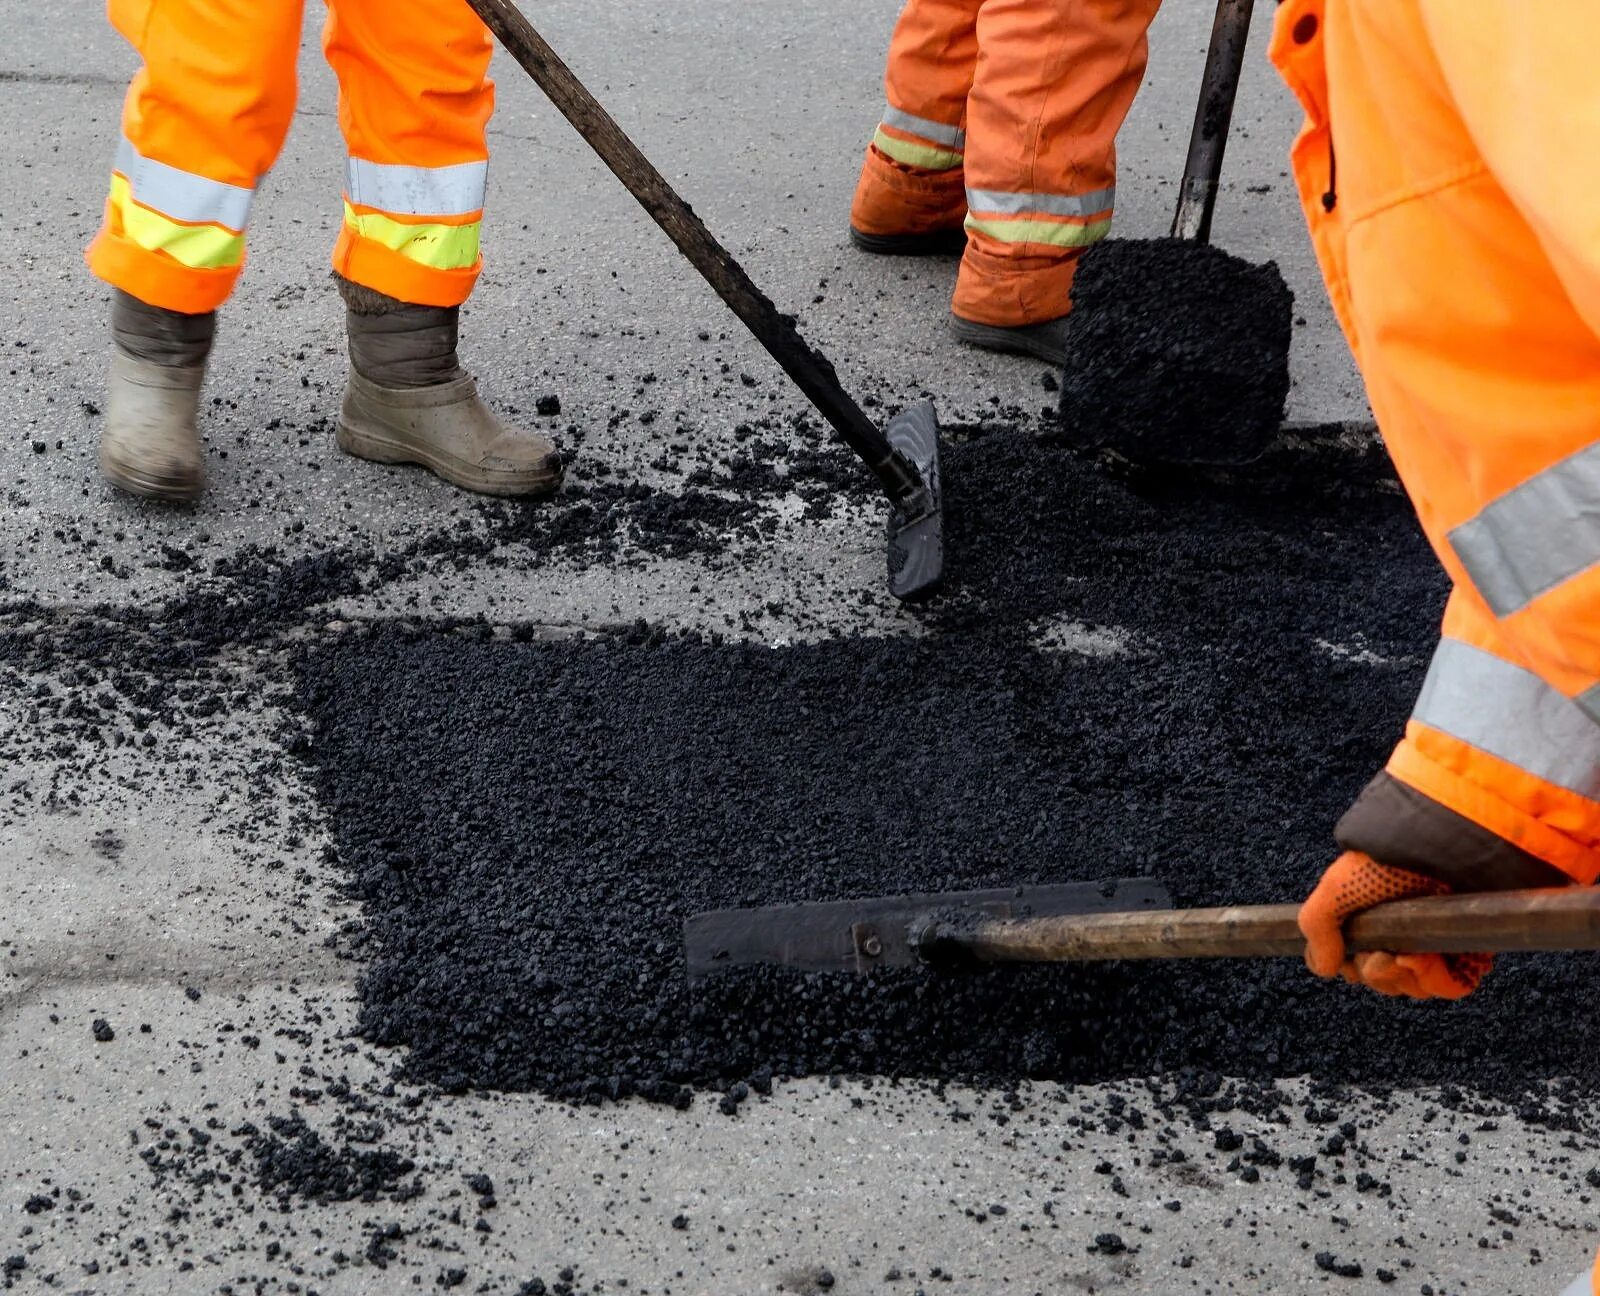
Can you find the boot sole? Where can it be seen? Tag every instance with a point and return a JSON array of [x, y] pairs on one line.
[[378, 447], [175, 490], [940, 243], [992, 337]]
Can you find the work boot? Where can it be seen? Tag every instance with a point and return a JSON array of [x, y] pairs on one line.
[[409, 401], [948, 242], [1043, 341], [150, 444]]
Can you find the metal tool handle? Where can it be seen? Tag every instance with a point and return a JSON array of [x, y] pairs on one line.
[[811, 372], [1219, 84], [1563, 918]]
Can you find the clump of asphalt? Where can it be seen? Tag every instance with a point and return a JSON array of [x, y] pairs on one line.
[[289, 1161], [1178, 352], [294, 1160], [1184, 679]]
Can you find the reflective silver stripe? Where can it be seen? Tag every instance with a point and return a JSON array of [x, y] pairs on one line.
[[417, 191], [950, 136], [182, 195], [1532, 538], [1512, 714], [1589, 702], [1017, 204], [1582, 1285]]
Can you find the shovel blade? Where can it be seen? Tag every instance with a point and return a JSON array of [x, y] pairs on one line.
[[859, 935], [916, 544]]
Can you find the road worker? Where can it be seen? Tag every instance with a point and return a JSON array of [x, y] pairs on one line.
[[203, 123], [999, 138], [1441, 169]]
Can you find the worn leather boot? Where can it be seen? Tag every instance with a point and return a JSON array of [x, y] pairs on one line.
[[150, 444], [409, 401]]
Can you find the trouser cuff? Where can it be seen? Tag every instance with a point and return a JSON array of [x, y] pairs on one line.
[[895, 199], [1010, 290]]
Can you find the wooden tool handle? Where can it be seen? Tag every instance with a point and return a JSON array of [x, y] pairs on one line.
[[1563, 918], [811, 371]]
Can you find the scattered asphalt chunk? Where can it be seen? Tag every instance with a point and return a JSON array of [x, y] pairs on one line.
[[1178, 352], [548, 405], [1329, 1263], [292, 1160], [102, 1031], [107, 844]]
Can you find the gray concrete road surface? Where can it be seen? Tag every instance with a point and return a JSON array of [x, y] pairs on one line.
[[131, 898]]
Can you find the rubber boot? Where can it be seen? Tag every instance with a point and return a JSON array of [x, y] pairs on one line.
[[409, 401], [150, 444], [1043, 341]]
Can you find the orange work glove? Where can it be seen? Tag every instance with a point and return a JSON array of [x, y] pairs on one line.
[[1354, 882]]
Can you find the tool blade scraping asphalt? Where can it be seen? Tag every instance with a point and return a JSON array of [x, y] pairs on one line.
[[1127, 919], [860, 935], [904, 458]]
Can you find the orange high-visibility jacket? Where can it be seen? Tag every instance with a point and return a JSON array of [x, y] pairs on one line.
[[207, 114], [1445, 171]]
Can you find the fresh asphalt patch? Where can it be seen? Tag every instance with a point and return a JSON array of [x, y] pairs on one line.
[[527, 823], [1181, 675]]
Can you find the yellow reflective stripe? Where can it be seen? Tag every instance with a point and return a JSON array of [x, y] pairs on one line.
[[439, 247], [918, 155], [200, 247], [1056, 233]]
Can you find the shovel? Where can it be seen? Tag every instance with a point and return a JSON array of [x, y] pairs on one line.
[[1079, 922], [904, 456]]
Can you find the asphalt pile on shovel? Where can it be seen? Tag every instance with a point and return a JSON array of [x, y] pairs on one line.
[[1179, 677], [1178, 353]]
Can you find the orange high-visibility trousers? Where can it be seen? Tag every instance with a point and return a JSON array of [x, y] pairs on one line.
[[207, 114], [1003, 115], [1442, 170]]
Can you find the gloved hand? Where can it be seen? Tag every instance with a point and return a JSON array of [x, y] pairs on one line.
[[1354, 882], [1397, 844]]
